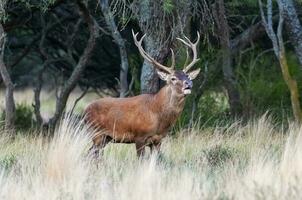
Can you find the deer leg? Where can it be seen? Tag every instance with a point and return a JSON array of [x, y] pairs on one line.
[[155, 147], [99, 142], [140, 148], [154, 143]]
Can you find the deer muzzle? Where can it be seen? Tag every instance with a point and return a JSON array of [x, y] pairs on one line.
[[188, 84]]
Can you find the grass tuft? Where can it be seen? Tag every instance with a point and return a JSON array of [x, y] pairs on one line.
[[256, 160]]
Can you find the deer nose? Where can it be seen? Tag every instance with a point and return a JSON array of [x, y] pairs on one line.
[[188, 84]]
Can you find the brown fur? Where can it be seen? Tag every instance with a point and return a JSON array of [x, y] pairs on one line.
[[143, 119]]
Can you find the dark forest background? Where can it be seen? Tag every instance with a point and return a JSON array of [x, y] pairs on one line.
[[250, 53]]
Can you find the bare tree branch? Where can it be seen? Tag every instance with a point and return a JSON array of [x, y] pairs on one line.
[[34, 40], [280, 28], [278, 46], [268, 24], [79, 68], [198, 93], [219, 14], [78, 99], [293, 25], [109, 18]]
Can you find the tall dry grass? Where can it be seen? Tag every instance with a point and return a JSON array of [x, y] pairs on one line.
[[253, 161]]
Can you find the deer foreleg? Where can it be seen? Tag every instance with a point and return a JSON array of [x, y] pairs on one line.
[[99, 142], [140, 148], [155, 147], [154, 143]]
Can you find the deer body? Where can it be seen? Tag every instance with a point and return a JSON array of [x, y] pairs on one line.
[[141, 119], [144, 119]]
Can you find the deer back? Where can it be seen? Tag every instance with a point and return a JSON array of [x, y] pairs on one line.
[[137, 116]]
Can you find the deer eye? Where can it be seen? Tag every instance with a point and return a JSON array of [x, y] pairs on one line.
[[173, 79]]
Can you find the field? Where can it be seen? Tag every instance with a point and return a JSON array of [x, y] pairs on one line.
[[258, 160]]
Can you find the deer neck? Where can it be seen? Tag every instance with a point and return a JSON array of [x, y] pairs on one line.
[[168, 101]]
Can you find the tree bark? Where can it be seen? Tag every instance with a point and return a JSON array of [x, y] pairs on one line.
[[37, 92], [150, 82], [9, 93], [292, 86], [279, 50], [80, 67], [157, 41], [161, 28], [246, 37], [252, 33], [227, 65], [149, 78], [197, 94], [293, 26], [109, 18]]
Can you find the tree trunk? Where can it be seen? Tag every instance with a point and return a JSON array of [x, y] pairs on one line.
[[149, 78], [279, 50], [148, 18], [293, 26], [160, 28], [109, 18], [150, 82], [197, 95], [230, 82], [227, 65], [292, 86], [79, 68], [37, 92], [9, 94]]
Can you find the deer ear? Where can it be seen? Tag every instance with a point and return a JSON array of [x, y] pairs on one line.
[[192, 75], [162, 75]]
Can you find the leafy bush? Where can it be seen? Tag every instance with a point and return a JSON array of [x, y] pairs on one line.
[[24, 117], [212, 106], [262, 86], [212, 110]]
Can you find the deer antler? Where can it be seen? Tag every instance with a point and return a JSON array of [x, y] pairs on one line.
[[193, 47], [173, 59], [156, 64]]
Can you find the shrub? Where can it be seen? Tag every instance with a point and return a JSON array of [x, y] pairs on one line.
[[24, 117]]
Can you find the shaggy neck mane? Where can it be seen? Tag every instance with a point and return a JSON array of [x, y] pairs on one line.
[[167, 101]]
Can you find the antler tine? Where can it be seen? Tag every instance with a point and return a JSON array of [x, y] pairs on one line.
[[173, 59], [189, 41], [193, 47], [187, 58], [156, 64], [183, 41], [138, 43]]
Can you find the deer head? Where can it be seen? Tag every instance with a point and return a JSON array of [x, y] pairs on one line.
[[179, 80]]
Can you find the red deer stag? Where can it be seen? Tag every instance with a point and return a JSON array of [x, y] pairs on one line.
[[143, 119]]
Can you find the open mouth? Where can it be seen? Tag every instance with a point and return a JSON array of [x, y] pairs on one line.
[[187, 90]]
